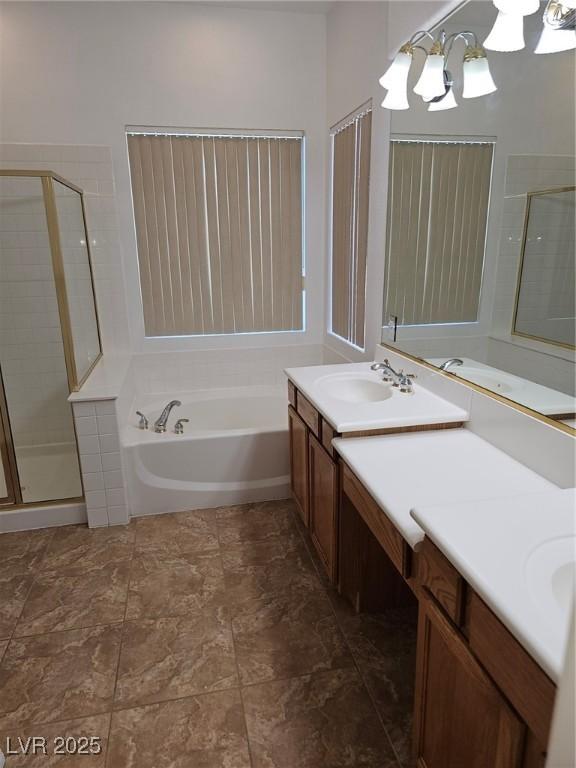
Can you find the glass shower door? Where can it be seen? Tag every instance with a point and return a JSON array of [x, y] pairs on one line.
[[32, 362]]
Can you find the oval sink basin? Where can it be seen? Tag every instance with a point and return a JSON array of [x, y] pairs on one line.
[[551, 577], [355, 388]]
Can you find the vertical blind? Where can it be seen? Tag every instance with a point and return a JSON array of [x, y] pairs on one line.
[[437, 213], [350, 191], [219, 232]]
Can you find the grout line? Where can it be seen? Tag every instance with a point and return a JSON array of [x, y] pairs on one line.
[[230, 622], [120, 646]]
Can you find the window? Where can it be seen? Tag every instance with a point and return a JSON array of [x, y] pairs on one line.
[[438, 197], [219, 232], [350, 188]]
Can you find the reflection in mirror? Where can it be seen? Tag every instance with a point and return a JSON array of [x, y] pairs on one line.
[[545, 307], [459, 184], [78, 279]]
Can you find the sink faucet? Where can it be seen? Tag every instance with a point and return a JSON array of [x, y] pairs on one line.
[[398, 378], [160, 423], [448, 363]]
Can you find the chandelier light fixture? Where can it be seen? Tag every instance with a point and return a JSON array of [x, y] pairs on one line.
[[436, 85], [558, 32]]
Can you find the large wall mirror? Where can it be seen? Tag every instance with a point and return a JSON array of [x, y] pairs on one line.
[[480, 239]]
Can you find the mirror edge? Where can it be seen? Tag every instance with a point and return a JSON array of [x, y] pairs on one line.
[[482, 390]]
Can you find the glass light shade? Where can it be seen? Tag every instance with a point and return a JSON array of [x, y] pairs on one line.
[[507, 33], [431, 81], [518, 7], [448, 102], [477, 78], [555, 40], [396, 98], [397, 73]]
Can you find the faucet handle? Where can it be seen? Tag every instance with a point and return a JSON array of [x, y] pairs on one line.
[[143, 421], [179, 426], [405, 384]]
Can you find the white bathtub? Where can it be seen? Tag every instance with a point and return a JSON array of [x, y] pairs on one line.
[[234, 450]]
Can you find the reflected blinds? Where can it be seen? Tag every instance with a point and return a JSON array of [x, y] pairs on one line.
[[350, 191], [437, 214], [219, 232]]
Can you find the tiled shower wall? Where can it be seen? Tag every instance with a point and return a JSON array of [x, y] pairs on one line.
[[90, 168], [31, 350]]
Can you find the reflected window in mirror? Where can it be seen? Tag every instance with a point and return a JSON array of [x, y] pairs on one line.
[[437, 216], [545, 302]]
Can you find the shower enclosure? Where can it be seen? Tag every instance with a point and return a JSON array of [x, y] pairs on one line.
[[49, 334]]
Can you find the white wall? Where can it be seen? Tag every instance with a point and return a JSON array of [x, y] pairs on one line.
[[78, 73], [357, 51]]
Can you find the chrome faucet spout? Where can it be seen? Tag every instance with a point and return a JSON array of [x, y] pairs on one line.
[[449, 363], [160, 423]]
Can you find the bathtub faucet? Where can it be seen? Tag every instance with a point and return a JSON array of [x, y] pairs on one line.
[[160, 423]]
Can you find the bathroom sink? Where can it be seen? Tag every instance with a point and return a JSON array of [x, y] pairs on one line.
[[355, 387], [550, 573]]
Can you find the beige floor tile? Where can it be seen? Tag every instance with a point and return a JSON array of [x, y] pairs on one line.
[[174, 591], [59, 676], [182, 532], [291, 633], [172, 658], [255, 522], [200, 732], [14, 590], [77, 548], [22, 552], [66, 599], [325, 720]]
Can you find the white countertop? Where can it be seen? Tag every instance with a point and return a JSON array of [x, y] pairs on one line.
[[523, 391], [491, 543], [418, 469], [400, 410]]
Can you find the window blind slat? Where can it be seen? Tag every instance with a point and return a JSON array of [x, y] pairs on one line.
[[437, 212], [219, 232]]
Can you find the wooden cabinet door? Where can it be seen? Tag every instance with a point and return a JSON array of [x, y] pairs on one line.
[[323, 505], [299, 462], [461, 718]]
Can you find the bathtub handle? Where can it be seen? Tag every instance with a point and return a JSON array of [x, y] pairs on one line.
[[179, 426], [143, 422]]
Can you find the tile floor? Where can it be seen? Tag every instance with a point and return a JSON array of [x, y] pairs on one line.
[[203, 639]]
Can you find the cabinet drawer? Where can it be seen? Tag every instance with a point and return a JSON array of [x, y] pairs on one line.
[[442, 580], [328, 434], [308, 413], [521, 680], [384, 531]]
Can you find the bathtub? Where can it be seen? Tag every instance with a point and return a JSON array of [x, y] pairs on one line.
[[234, 450]]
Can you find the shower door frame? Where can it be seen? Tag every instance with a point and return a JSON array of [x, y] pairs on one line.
[[8, 459], [8, 455]]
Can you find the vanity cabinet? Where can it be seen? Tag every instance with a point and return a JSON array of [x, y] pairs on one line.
[[461, 718], [323, 505], [314, 477], [298, 432]]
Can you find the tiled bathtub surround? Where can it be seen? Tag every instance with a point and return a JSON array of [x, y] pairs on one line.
[[101, 462], [214, 641]]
